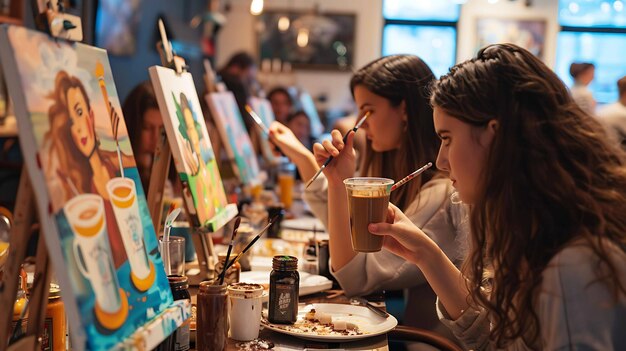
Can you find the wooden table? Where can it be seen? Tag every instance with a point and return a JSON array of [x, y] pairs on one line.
[[284, 342]]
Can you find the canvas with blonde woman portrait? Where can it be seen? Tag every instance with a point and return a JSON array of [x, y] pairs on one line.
[[234, 136], [91, 204], [193, 154]]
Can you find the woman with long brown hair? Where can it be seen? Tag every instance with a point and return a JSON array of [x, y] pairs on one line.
[[547, 266], [75, 159], [400, 139]]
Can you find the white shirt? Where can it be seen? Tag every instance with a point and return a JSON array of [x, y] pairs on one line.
[[613, 117], [584, 98]]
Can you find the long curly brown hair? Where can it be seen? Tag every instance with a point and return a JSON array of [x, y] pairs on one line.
[[550, 178], [72, 163]]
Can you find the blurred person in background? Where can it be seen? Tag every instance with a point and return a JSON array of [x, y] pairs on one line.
[[300, 125], [239, 76], [583, 73], [613, 116], [282, 103], [144, 122]]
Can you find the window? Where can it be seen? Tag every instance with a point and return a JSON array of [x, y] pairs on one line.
[[592, 13], [421, 10], [423, 28], [605, 50], [593, 31]]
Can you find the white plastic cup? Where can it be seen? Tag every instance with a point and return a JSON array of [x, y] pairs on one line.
[[245, 310]]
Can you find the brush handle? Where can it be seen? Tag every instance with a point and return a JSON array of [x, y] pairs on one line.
[[245, 249], [256, 238], [319, 171], [345, 139], [411, 176], [223, 273]]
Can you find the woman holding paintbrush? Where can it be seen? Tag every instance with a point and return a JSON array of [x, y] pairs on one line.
[[547, 267], [401, 138]]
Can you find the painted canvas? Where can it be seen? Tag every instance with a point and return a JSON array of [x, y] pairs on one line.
[[307, 40], [234, 136], [527, 33], [189, 140], [308, 106], [263, 108], [91, 203]]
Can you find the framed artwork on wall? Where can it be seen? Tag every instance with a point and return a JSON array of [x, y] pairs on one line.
[[307, 40], [527, 33]]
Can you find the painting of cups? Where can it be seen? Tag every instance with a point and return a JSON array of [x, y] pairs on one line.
[[101, 239], [527, 33]]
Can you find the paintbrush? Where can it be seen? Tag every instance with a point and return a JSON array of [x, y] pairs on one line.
[[257, 237], [319, 171], [230, 248], [411, 176], [257, 119]]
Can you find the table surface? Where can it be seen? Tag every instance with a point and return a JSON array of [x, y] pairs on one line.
[[287, 342]]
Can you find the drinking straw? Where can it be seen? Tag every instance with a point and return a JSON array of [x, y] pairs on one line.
[[411, 176], [115, 118], [345, 137], [257, 119], [257, 237], [230, 247]]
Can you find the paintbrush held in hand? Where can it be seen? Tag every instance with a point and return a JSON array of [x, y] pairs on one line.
[[345, 138], [411, 176], [257, 120]]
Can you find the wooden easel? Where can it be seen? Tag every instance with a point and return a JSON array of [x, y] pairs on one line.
[[58, 24], [21, 233], [203, 244]]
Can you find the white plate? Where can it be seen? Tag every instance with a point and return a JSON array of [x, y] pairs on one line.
[[367, 321], [309, 283]]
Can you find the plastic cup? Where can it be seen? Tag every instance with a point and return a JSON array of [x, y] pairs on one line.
[[368, 199]]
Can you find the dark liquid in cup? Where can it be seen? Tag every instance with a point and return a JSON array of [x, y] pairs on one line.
[[363, 211], [212, 318]]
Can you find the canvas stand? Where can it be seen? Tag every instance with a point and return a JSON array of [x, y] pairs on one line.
[[200, 229]]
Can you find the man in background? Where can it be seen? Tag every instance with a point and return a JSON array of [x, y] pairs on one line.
[[239, 76], [613, 116]]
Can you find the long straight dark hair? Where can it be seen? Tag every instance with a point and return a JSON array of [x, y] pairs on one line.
[[550, 178], [400, 78]]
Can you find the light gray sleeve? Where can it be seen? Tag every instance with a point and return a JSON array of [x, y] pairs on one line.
[[471, 328], [316, 196], [577, 311]]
